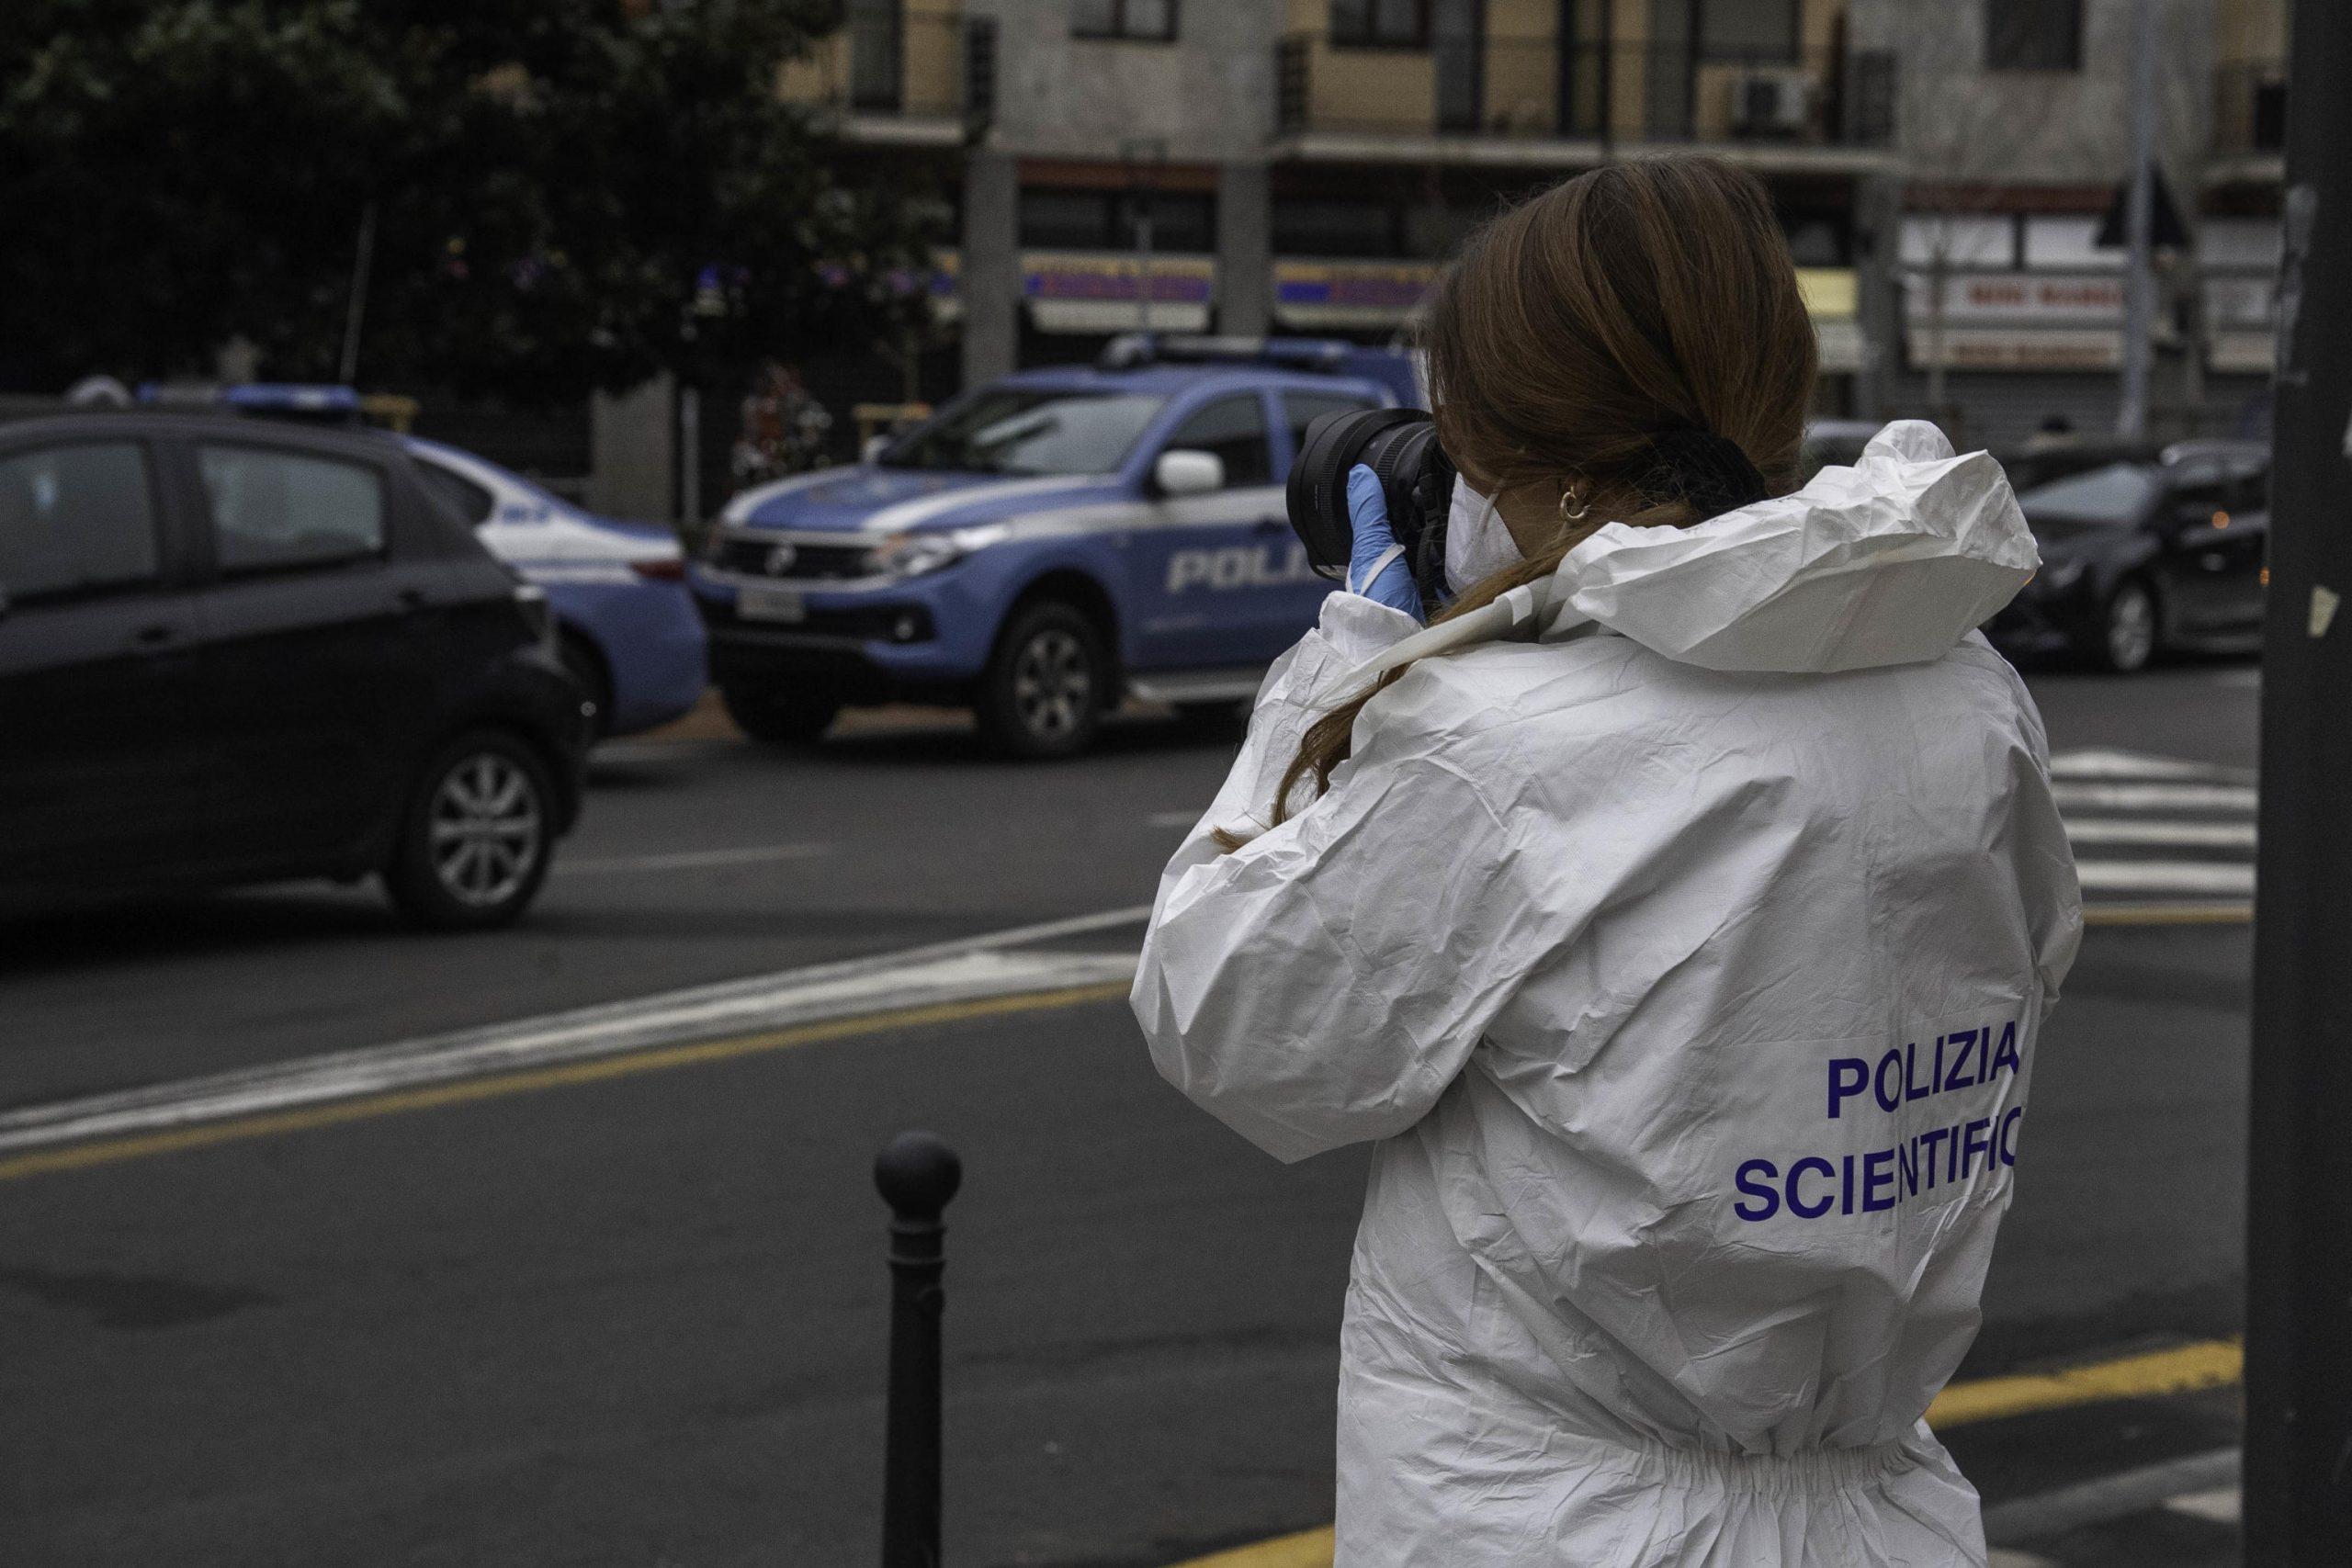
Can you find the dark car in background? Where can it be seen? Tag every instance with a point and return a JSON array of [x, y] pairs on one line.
[[235, 653], [2140, 556]]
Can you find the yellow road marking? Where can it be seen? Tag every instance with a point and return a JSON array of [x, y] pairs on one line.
[[108, 1151], [2167, 914], [2213, 1363]]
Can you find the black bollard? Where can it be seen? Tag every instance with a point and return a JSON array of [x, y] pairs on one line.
[[918, 1175]]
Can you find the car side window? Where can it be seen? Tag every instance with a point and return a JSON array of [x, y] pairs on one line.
[[473, 501], [1303, 409], [275, 510], [1235, 429], [75, 519]]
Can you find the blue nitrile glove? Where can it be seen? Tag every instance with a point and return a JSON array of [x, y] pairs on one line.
[[1377, 564]]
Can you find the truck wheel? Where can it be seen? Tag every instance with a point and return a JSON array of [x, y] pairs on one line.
[[1044, 689], [2128, 629], [776, 717], [476, 837]]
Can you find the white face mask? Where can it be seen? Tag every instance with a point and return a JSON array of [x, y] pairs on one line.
[[1477, 546]]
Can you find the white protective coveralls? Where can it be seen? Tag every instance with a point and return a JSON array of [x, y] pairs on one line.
[[1683, 935]]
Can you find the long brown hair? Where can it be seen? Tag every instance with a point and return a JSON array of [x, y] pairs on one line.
[[1629, 304]]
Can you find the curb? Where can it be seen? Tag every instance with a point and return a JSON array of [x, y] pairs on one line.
[[2110, 1497]]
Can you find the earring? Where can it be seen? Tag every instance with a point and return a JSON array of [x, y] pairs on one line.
[[1572, 513]]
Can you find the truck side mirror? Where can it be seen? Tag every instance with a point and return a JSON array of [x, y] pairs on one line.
[[1186, 472]]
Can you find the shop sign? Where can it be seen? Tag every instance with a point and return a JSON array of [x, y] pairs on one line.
[[2023, 298]]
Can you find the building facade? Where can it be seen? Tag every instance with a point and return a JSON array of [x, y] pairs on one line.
[[1944, 172]]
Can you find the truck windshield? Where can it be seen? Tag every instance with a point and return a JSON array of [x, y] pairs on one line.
[[2118, 492], [1028, 431]]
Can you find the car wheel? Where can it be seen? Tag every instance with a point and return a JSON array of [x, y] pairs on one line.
[[776, 717], [1044, 691], [477, 837], [2128, 628], [587, 667]]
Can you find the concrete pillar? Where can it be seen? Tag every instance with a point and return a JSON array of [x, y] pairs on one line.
[[1878, 290], [991, 271], [632, 451], [1245, 252]]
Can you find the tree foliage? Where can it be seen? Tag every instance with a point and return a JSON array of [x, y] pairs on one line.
[[562, 197]]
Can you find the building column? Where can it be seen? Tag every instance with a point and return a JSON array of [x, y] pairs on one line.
[[1878, 288], [632, 451], [991, 265], [1245, 252]]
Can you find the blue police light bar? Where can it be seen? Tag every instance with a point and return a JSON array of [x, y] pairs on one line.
[[293, 399], [1131, 350]]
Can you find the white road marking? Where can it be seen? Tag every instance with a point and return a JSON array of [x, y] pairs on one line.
[[2222, 1505], [689, 859], [2164, 876], [994, 964], [2148, 830], [2110, 764], [2155, 796]]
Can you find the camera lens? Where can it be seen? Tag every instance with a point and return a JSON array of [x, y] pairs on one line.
[[1399, 446]]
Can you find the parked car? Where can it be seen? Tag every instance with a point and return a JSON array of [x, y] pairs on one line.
[[1047, 543], [625, 626], [233, 653], [2142, 556]]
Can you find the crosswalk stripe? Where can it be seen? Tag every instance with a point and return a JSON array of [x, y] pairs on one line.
[[2098, 764], [2210, 877], [2125, 831], [2155, 796]]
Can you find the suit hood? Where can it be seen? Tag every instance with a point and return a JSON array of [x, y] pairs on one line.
[[1890, 561]]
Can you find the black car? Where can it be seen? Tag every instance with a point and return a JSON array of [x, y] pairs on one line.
[[2139, 557], [232, 652]]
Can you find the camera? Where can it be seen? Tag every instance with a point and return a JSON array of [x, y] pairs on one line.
[[1399, 446]]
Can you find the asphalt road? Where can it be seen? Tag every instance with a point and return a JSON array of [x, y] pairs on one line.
[[639, 1320]]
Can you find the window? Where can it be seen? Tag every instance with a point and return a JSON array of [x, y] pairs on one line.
[[1148, 21], [1303, 409], [1110, 221], [2034, 35], [1401, 24], [77, 519], [1235, 429], [1017, 431], [471, 500], [273, 509], [1747, 29], [1337, 228]]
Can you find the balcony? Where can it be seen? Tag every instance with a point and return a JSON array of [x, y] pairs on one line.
[[2249, 122], [893, 75], [1532, 99]]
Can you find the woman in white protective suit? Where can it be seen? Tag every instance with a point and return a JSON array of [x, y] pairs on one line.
[[1677, 914]]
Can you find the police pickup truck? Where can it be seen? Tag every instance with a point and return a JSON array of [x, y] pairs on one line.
[[1044, 546]]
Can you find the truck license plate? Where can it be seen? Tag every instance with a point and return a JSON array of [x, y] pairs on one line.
[[770, 604]]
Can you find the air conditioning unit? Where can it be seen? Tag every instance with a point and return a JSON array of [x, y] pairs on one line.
[[1770, 102]]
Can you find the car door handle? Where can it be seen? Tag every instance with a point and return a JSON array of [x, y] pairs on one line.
[[414, 598], [1269, 524], [156, 636]]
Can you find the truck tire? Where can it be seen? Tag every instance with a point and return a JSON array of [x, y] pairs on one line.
[[1047, 683], [774, 716]]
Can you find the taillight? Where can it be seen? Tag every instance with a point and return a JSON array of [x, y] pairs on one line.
[[667, 569]]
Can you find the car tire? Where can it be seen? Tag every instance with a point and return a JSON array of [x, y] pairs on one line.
[[779, 717], [2130, 628], [586, 665], [1045, 687], [477, 836]]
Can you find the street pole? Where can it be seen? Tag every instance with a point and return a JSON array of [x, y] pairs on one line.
[[2140, 282], [363, 258], [1143, 156], [917, 1175], [2297, 1500]]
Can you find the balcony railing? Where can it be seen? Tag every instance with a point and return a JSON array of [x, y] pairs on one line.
[[2250, 108], [892, 63], [1535, 87]]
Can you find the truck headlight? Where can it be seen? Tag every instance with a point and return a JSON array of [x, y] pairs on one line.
[[912, 554], [2059, 576]]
